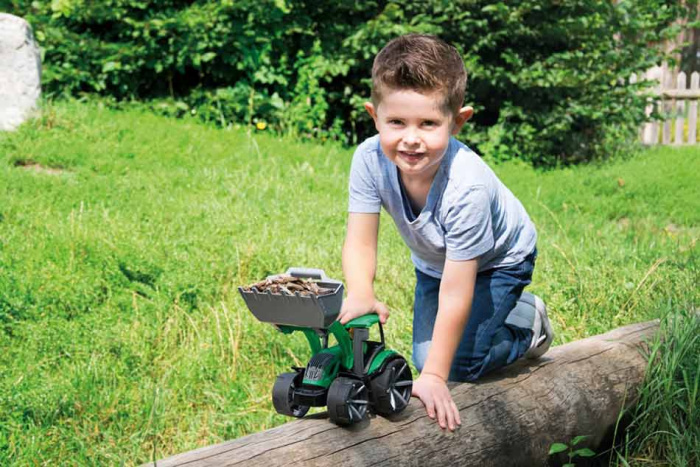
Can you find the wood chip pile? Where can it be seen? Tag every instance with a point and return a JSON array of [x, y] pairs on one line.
[[289, 285]]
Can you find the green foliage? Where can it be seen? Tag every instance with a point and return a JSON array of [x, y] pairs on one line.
[[571, 451], [548, 78]]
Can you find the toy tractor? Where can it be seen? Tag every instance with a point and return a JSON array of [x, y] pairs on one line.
[[350, 378]]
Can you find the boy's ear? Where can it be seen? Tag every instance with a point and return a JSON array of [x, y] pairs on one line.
[[369, 107], [464, 114]]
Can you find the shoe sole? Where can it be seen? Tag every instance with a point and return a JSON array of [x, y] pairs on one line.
[[541, 344]]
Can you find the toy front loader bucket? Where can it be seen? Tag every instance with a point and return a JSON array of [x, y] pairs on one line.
[[297, 309]]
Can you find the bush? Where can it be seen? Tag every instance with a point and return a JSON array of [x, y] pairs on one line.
[[548, 78]]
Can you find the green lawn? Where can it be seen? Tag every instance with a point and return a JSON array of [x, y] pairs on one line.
[[122, 335]]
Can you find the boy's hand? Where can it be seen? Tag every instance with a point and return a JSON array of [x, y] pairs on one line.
[[433, 393], [356, 306]]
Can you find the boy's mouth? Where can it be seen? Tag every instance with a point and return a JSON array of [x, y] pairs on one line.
[[411, 156]]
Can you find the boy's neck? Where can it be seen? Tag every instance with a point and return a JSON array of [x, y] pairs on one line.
[[419, 180]]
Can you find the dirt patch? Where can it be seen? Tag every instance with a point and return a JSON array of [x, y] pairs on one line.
[[623, 223], [36, 167]]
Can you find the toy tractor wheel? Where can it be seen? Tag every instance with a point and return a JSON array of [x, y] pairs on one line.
[[391, 389], [283, 395], [348, 400]]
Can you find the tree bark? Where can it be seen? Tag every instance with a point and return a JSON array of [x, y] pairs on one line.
[[509, 418]]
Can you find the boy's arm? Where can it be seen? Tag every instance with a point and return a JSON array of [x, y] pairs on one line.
[[359, 267], [455, 300]]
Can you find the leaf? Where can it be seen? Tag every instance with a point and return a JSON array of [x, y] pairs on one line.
[[282, 5], [557, 447], [585, 452], [109, 66], [578, 439], [209, 56]]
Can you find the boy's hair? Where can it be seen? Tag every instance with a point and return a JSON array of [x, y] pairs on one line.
[[422, 63]]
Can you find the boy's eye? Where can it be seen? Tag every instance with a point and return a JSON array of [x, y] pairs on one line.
[[395, 122], [429, 123]]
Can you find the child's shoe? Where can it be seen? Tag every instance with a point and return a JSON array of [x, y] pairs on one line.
[[543, 335], [531, 312]]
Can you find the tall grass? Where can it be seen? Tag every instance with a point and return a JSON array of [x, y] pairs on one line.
[[665, 427], [122, 337]]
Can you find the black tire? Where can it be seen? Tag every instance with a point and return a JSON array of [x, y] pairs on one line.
[[391, 388], [283, 395], [348, 401]]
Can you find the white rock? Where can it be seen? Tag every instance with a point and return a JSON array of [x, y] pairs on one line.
[[20, 71]]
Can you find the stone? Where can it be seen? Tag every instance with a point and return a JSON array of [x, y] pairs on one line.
[[20, 71]]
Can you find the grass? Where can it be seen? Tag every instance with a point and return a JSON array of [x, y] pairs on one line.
[[122, 336], [665, 422]]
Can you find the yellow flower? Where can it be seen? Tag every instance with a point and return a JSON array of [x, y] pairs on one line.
[[261, 125]]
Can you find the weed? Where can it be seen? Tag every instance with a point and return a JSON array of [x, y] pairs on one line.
[[572, 452]]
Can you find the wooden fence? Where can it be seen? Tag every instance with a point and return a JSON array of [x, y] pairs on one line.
[[678, 106]]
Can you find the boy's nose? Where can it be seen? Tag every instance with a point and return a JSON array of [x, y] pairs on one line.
[[410, 138]]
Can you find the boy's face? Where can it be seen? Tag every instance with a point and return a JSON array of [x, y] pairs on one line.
[[414, 130]]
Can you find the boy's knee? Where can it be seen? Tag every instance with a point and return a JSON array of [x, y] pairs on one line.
[[502, 351], [466, 368]]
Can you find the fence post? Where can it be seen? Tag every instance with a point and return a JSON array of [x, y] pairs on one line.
[[650, 131], [680, 109], [693, 109], [666, 105]]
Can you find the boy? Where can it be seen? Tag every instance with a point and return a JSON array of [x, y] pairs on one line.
[[471, 241]]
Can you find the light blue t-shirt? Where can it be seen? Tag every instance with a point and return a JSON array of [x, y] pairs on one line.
[[469, 212]]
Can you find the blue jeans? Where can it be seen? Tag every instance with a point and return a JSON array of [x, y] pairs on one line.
[[488, 343]]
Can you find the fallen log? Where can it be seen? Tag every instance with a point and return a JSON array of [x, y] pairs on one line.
[[509, 418]]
